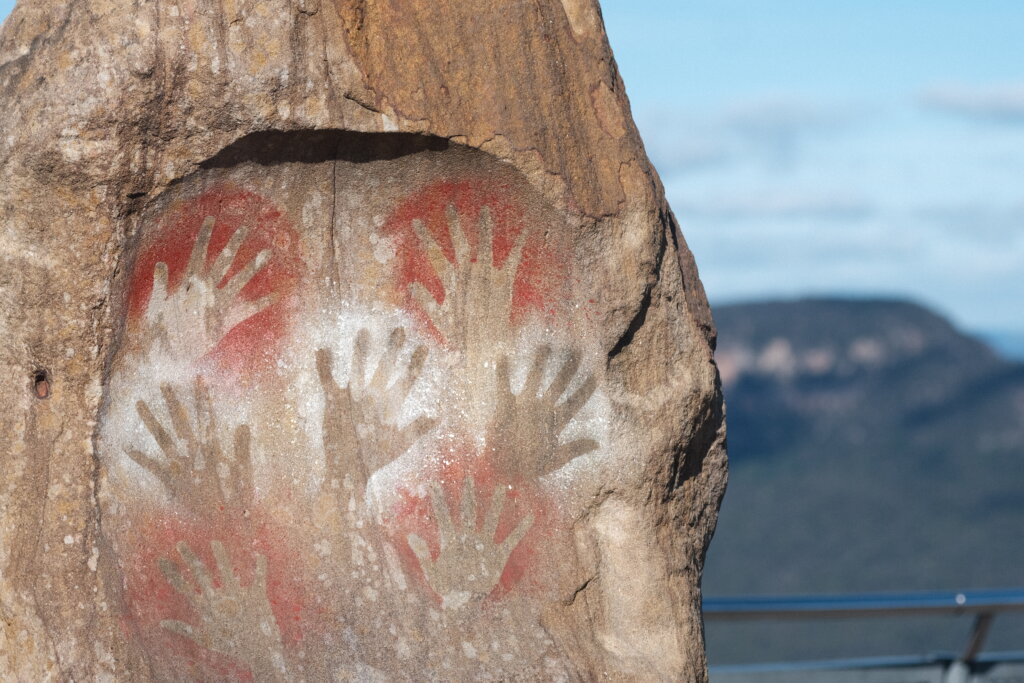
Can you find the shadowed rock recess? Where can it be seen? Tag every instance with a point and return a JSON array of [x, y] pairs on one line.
[[343, 341]]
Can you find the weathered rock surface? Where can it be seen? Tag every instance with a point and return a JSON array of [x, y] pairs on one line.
[[343, 341]]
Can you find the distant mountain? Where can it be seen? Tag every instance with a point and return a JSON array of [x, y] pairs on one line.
[[1009, 345], [872, 447]]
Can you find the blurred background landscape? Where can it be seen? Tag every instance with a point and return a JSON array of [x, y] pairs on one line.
[[849, 178]]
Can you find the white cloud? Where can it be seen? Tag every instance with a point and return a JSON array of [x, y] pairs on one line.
[[893, 253], [775, 126], [676, 153], [771, 205], [782, 114], [992, 103], [994, 224], [678, 143], [770, 130]]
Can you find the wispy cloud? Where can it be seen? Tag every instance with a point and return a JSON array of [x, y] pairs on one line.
[[992, 103], [770, 131], [674, 152], [998, 225], [811, 156], [775, 126], [679, 143], [789, 205]]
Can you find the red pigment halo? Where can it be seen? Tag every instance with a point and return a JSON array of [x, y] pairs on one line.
[[256, 340], [150, 599], [413, 514], [542, 276]]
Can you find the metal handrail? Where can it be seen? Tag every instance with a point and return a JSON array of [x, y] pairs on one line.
[[865, 605], [982, 604], [878, 662]]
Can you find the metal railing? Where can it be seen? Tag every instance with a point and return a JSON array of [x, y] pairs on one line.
[[967, 665]]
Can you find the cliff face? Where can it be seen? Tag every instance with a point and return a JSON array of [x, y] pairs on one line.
[[345, 341], [824, 375], [874, 447]]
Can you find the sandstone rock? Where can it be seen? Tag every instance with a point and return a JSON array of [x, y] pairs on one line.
[[343, 341]]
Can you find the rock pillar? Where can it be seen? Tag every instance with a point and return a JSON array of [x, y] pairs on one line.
[[343, 340]]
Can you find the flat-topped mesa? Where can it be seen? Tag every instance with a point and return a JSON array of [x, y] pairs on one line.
[[344, 341]]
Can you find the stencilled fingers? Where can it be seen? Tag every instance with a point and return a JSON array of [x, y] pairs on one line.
[[340, 426], [389, 385], [361, 414], [432, 249], [234, 310], [531, 388], [407, 436], [467, 506], [445, 526], [244, 276], [200, 301], [173, 469], [200, 248], [325, 371], [159, 291], [526, 427], [388, 361], [574, 449], [244, 309], [222, 264], [510, 266], [422, 296], [440, 312], [360, 356], [460, 245], [233, 619], [156, 429], [572, 405], [470, 561], [194, 468], [179, 417], [361, 432], [475, 307]]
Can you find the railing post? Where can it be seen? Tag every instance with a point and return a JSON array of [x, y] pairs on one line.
[[958, 672], [984, 605], [982, 624]]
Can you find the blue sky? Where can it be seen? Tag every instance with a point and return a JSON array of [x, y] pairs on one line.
[[855, 148], [863, 147]]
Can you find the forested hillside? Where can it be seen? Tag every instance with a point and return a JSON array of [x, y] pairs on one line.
[[873, 447]]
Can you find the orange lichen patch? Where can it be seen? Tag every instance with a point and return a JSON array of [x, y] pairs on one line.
[[253, 342], [540, 282]]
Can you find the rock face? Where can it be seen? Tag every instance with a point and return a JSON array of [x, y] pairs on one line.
[[343, 341]]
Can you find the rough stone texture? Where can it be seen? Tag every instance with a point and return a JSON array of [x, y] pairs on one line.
[[343, 341]]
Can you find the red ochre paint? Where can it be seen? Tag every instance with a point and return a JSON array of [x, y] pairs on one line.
[[150, 598], [255, 341], [413, 514], [543, 271]]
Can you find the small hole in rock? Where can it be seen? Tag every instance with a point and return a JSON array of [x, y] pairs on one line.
[[41, 384]]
